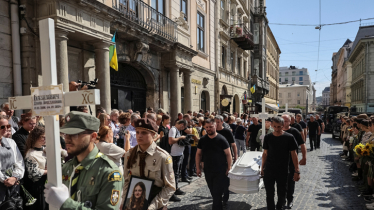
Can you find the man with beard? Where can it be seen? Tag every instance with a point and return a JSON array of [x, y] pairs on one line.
[[90, 180], [300, 142], [213, 149]]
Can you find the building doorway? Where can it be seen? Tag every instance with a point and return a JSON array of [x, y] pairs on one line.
[[128, 89]]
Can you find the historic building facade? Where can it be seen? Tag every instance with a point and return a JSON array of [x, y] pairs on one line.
[[361, 58], [272, 71], [295, 96], [326, 97]]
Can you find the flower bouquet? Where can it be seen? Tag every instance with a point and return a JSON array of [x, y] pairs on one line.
[[364, 150], [30, 200]]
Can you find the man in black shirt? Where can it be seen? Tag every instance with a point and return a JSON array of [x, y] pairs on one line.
[[322, 126], [303, 125], [252, 134], [314, 129], [300, 142], [216, 154], [296, 125], [227, 134], [275, 159]]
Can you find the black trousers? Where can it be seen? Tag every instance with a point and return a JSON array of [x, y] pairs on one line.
[[313, 140], [192, 166], [214, 182], [177, 162], [270, 178], [290, 185], [254, 146], [186, 155], [318, 141], [226, 192]]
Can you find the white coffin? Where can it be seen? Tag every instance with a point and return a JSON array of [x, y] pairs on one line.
[[245, 174]]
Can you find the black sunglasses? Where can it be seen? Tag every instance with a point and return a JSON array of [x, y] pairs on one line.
[[5, 126]]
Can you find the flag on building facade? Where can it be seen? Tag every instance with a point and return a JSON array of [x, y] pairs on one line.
[[113, 54], [253, 89]]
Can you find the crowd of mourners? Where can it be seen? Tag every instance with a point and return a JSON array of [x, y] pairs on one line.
[[122, 144], [357, 137]]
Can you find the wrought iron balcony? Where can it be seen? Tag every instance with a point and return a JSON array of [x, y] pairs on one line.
[[148, 18], [259, 10], [242, 36]]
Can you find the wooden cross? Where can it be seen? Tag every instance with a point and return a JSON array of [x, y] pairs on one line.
[[263, 116], [77, 98], [286, 111]]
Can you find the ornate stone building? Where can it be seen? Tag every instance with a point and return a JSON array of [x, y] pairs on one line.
[[272, 72], [361, 57]]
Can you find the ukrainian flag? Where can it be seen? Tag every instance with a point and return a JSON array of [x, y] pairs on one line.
[[253, 89], [113, 54]]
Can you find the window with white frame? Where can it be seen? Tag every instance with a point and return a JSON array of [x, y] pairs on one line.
[[200, 32]]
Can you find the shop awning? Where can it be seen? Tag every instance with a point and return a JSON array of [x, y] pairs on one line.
[[270, 106]]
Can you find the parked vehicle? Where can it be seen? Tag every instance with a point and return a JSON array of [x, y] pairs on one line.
[[330, 114]]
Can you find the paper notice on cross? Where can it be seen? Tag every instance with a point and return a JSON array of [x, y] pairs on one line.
[[47, 100]]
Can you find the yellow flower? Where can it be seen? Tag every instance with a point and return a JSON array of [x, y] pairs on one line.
[[365, 152], [368, 146]]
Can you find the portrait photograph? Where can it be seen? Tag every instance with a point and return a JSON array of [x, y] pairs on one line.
[[138, 193]]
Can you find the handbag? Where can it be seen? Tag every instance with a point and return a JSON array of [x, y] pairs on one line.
[[13, 200]]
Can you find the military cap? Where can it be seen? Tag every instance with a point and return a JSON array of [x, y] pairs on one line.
[[145, 123], [77, 122]]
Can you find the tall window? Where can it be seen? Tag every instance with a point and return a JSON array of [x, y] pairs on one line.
[[286, 79], [301, 72], [222, 9], [238, 65], [200, 32], [245, 69], [293, 78], [184, 8], [300, 78], [232, 62], [223, 57], [280, 79], [293, 73], [286, 73], [158, 5]]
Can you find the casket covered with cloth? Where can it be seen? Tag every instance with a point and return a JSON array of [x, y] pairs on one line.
[[245, 174]]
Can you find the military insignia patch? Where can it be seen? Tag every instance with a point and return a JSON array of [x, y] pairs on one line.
[[168, 160], [114, 198], [115, 176]]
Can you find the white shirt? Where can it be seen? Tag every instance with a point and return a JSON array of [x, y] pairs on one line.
[[176, 150], [19, 169], [132, 133], [113, 152]]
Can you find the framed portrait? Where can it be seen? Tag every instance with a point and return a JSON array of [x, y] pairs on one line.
[[137, 195]]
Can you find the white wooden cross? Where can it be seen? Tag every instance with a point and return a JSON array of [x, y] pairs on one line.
[[77, 98], [286, 111], [263, 116]]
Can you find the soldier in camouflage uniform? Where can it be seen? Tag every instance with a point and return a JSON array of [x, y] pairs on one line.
[[90, 180]]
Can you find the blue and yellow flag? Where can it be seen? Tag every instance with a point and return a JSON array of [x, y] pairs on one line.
[[253, 89], [113, 54]]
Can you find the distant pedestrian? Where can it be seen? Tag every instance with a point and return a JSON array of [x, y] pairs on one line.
[[252, 134], [314, 129], [240, 136]]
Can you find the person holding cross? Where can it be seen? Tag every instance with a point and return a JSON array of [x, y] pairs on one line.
[[90, 180]]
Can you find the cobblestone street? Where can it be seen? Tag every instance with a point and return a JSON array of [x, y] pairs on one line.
[[325, 184]]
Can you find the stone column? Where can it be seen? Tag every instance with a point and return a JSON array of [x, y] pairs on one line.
[[102, 71], [187, 91], [62, 60], [175, 93]]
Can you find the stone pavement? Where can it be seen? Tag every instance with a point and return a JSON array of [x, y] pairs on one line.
[[325, 184]]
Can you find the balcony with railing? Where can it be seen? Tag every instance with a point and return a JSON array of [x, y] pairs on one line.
[[143, 15], [242, 36]]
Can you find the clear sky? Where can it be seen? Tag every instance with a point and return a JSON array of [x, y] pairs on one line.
[[299, 44]]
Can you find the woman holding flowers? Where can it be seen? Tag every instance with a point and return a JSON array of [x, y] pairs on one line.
[[365, 159], [12, 166]]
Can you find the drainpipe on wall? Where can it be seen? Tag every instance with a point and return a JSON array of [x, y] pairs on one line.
[[366, 72], [16, 52]]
